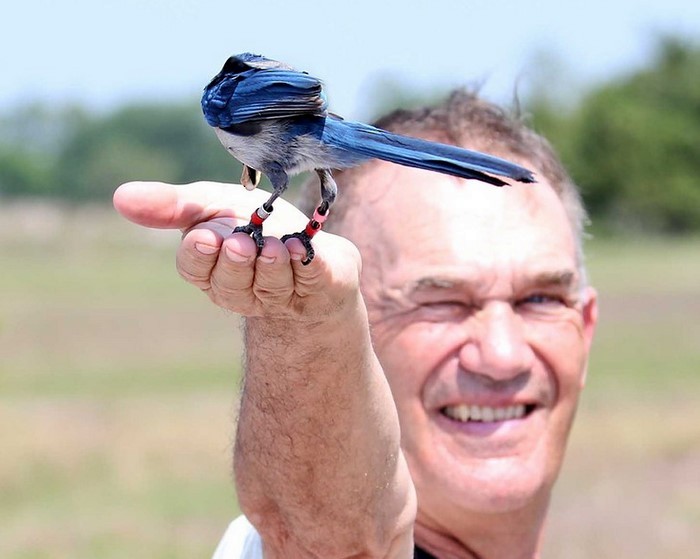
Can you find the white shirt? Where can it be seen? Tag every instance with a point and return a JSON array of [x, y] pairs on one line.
[[241, 541]]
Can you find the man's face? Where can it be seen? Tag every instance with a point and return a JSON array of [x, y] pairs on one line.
[[482, 328]]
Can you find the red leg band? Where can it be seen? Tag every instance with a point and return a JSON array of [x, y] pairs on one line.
[[258, 216], [312, 227]]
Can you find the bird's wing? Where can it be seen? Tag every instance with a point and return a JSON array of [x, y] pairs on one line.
[[275, 93]]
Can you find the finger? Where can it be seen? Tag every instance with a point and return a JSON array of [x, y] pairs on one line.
[[274, 279], [199, 251], [161, 205], [233, 275], [337, 263]]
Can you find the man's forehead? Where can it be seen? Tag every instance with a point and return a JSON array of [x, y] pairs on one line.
[[427, 202], [383, 186], [414, 217]]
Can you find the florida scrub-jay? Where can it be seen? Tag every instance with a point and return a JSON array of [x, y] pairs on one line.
[[275, 121]]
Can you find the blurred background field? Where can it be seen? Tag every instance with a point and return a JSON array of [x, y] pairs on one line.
[[118, 382], [118, 390]]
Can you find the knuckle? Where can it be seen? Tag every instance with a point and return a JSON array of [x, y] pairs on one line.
[[236, 299], [199, 279], [274, 283], [220, 299], [272, 296], [223, 285]]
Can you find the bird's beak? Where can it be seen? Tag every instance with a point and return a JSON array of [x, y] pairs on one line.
[[250, 177]]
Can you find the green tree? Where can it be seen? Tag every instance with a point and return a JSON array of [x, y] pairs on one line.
[[73, 154], [633, 144], [30, 137], [147, 142], [22, 173]]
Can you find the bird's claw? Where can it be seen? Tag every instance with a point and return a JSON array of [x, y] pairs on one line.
[[255, 233], [305, 239]]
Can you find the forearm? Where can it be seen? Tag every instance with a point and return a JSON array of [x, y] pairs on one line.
[[318, 465]]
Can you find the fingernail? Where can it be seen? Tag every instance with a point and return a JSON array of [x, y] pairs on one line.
[[266, 259], [296, 256], [205, 249], [236, 256]]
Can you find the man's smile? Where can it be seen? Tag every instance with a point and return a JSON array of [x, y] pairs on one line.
[[464, 412], [505, 420]]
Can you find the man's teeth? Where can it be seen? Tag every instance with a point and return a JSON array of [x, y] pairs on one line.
[[464, 412]]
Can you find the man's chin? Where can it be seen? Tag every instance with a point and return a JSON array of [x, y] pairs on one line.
[[502, 477], [486, 492], [501, 486]]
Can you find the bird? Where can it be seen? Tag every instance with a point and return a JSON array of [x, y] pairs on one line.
[[275, 121]]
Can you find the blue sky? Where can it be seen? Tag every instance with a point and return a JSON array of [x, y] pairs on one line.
[[108, 52]]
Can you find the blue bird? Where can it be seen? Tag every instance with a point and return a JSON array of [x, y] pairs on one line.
[[275, 121]]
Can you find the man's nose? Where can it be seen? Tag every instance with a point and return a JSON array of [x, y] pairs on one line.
[[497, 346]]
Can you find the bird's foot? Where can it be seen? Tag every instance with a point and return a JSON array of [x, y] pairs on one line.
[[254, 231], [312, 227], [305, 239], [254, 227]]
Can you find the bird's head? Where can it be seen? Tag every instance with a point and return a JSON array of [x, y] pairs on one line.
[[234, 66], [221, 87], [241, 63]]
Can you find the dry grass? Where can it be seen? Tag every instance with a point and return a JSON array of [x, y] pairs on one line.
[[140, 476], [630, 486]]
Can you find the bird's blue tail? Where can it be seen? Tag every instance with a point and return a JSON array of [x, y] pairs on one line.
[[370, 142]]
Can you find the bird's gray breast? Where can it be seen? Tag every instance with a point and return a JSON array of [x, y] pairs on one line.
[[272, 144]]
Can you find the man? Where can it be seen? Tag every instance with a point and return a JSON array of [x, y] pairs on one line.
[[447, 428]]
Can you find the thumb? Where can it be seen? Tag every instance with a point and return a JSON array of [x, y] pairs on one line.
[[168, 206]]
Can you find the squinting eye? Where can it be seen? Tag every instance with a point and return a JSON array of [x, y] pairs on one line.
[[541, 299], [445, 310]]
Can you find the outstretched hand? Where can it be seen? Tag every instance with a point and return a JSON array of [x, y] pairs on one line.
[[227, 267]]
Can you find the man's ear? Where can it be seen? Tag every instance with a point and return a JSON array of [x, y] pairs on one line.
[[590, 321]]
